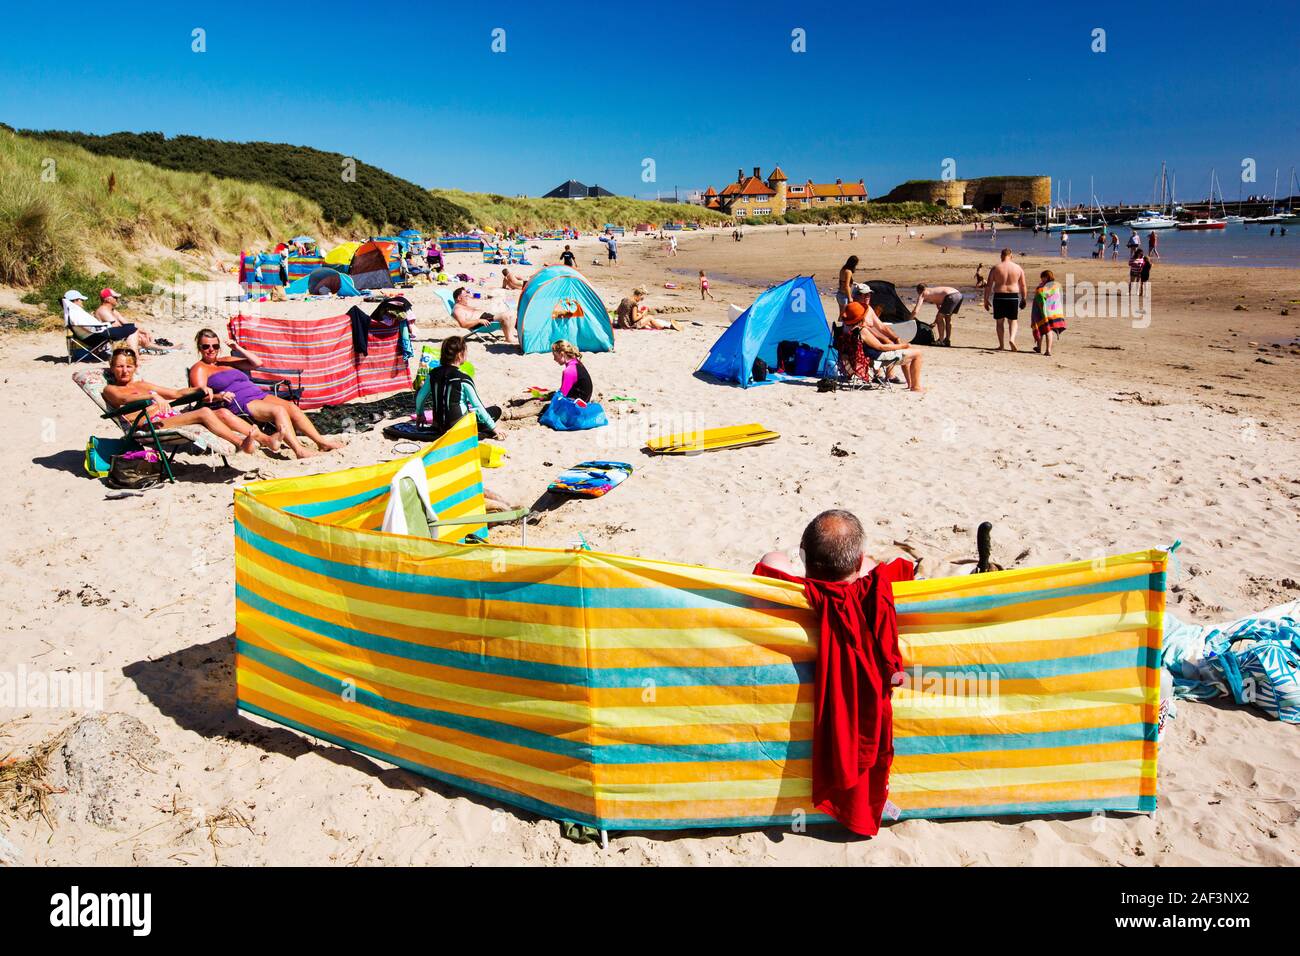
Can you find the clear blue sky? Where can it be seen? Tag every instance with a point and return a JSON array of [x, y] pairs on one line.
[[884, 92]]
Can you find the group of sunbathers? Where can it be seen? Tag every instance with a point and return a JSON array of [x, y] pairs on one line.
[[862, 340], [233, 408]]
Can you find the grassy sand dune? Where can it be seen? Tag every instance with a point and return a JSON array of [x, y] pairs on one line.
[[57, 210], [490, 211]]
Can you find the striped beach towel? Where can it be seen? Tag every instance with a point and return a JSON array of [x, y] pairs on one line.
[[626, 693], [333, 373], [1048, 312]]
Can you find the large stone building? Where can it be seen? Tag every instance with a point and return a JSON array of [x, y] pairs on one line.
[[753, 197], [986, 194]]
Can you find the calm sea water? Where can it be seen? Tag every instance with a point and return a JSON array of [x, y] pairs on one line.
[[1240, 244]]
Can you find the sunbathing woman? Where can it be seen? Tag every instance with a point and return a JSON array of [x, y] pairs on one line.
[[126, 388], [224, 376], [631, 314]]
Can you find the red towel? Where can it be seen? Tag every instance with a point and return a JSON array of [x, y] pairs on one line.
[[857, 658]]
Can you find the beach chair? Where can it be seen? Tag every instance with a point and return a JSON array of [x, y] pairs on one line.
[[285, 383], [79, 351], [137, 426], [848, 366], [422, 522]]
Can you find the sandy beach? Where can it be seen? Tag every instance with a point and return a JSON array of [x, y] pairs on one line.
[[1181, 426]]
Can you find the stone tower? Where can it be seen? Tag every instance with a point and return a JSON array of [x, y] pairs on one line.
[[776, 182]]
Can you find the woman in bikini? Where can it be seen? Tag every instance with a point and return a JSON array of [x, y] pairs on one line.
[[126, 388], [225, 375], [844, 292]]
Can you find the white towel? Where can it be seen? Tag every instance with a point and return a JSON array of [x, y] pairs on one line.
[[394, 516]]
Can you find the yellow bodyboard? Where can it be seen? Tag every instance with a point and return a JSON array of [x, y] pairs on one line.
[[711, 439]]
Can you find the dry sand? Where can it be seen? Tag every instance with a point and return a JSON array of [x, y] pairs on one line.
[[1130, 438]]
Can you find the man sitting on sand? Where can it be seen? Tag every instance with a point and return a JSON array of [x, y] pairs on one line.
[[1005, 293], [511, 282], [947, 300], [470, 318], [858, 664]]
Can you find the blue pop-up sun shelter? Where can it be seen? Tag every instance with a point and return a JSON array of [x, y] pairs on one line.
[[791, 311], [559, 304]]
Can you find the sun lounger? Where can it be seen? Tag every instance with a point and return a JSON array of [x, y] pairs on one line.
[[137, 426], [492, 328]]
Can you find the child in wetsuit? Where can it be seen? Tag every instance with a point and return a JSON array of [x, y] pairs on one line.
[[575, 383]]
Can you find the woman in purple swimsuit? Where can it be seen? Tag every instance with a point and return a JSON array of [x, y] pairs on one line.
[[231, 385]]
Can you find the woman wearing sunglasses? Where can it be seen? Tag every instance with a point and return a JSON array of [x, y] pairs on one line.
[[232, 387], [127, 387]]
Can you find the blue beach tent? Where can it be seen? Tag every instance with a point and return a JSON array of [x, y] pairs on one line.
[[323, 281], [791, 311], [559, 304]]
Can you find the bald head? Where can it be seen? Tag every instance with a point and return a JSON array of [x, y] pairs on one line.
[[832, 546]]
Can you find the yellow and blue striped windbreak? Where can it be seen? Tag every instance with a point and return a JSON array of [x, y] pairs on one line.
[[626, 693]]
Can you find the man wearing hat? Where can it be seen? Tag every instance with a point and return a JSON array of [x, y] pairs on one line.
[[108, 315], [876, 337], [91, 330]]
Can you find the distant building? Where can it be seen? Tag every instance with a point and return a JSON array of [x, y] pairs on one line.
[[986, 194], [752, 196], [576, 190]]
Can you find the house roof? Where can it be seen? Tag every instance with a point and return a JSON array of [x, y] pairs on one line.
[[777, 174], [752, 186], [572, 189], [836, 189]]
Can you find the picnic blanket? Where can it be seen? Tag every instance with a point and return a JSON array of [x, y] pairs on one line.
[[332, 373]]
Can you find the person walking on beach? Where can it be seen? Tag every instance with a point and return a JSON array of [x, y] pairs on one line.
[[672, 245], [844, 291], [947, 300], [704, 288], [1152, 241], [1136, 264], [1048, 313], [1114, 245], [1005, 294], [1065, 245], [612, 245], [567, 257]]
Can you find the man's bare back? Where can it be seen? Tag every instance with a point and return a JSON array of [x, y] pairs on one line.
[[935, 294], [1007, 276]]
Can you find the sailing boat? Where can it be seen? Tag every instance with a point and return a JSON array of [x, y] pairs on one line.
[[1153, 220], [1207, 221], [1089, 226], [1288, 217]]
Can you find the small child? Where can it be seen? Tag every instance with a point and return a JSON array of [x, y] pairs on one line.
[[704, 288], [575, 383]]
